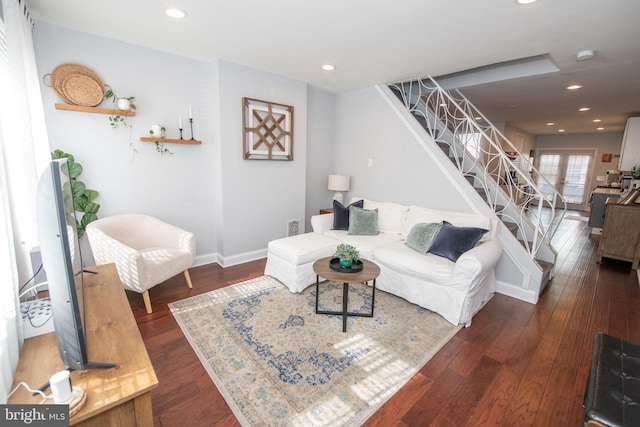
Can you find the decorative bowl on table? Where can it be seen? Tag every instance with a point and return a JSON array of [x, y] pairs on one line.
[[355, 267]]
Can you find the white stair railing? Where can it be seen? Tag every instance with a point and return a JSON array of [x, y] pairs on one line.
[[483, 154]]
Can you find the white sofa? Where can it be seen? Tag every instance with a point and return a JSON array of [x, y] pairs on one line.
[[456, 290]]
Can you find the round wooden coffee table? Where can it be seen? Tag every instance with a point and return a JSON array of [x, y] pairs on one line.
[[370, 271]]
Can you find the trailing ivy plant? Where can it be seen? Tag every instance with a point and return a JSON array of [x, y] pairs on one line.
[[83, 198], [160, 148], [115, 120]]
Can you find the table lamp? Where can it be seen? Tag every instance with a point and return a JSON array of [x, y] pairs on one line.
[[339, 184]]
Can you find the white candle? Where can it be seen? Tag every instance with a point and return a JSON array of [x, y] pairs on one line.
[[180, 122], [190, 116]]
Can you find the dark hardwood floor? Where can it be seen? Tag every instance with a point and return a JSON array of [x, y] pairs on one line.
[[517, 365]]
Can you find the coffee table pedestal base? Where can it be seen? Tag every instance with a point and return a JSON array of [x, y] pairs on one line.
[[345, 304]]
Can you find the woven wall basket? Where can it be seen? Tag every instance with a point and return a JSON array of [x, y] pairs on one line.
[[76, 84]]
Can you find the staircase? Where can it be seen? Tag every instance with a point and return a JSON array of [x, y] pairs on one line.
[[525, 202]]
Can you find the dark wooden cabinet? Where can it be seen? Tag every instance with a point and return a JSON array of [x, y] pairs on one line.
[[621, 233]]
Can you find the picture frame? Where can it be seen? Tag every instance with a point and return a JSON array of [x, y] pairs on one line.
[[267, 130]]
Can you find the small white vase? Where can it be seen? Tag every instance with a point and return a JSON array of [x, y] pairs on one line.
[[123, 104]]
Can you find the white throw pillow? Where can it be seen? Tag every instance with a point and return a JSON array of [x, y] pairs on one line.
[[391, 216]]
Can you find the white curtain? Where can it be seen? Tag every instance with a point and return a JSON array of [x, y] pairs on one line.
[[24, 152]]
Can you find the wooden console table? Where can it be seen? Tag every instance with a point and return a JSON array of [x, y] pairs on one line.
[[116, 396]]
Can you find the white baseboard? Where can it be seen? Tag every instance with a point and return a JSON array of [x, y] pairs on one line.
[[244, 257], [228, 261], [207, 259], [508, 289]]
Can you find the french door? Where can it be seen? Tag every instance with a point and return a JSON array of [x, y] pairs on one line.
[[569, 173]]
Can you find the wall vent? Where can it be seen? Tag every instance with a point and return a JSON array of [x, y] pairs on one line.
[[293, 227]]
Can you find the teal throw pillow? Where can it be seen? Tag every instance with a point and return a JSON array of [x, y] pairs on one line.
[[422, 236], [362, 221]]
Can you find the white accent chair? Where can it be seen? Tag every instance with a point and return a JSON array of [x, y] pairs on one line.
[[146, 250]]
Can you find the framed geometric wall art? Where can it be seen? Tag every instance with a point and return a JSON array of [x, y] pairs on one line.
[[267, 130]]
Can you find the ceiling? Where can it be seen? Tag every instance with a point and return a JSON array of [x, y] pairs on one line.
[[384, 41]]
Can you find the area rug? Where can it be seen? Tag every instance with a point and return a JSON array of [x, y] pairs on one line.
[[278, 363]]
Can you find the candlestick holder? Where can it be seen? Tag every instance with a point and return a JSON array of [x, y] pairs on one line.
[[191, 124], [180, 133]]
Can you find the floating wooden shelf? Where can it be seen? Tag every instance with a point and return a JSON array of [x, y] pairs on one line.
[[173, 141], [96, 110]]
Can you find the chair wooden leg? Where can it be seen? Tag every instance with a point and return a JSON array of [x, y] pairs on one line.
[[147, 301], [186, 276]]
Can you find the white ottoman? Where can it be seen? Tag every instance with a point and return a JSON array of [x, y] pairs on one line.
[[290, 259]]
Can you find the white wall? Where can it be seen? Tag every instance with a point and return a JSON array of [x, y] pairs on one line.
[[259, 196], [234, 206], [401, 171], [321, 137], [175, 188]]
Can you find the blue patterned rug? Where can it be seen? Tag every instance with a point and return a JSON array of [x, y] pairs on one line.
[[277, 363]]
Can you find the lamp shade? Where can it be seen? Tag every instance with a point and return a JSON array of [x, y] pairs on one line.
[[339, 182]]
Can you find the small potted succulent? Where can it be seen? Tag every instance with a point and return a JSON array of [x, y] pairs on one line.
[[347, 255]]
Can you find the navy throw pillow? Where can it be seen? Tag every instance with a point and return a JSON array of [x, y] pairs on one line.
[[452, 241], [341, 214]]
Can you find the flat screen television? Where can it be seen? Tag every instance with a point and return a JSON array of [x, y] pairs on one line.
[[62, 261]]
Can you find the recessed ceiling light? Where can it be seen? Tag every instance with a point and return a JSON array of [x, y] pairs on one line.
[[574, 87], [596, 120], [584, 109], [328, 67], [600, 128], [550, 124], [174, 12], [560, 130], [525, 1]]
